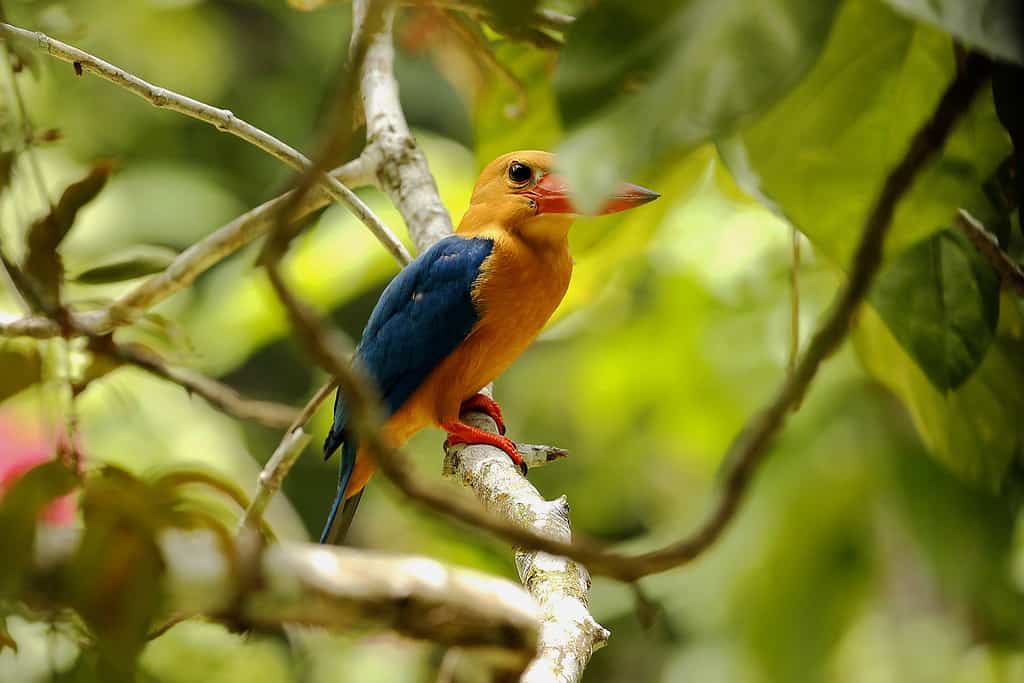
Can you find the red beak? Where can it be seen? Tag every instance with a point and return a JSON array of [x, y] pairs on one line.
[[552, 196]]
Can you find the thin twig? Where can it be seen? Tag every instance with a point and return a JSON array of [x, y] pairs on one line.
[[272, 476], [280, 463], [221, 119], [1009, 270], [219, 395]]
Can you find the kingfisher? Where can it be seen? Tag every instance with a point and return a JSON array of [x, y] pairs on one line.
[[456, 317]]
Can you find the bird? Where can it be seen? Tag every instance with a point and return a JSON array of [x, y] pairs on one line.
[[459, 314]]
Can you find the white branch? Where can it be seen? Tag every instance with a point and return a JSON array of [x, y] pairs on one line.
[[568, 633], [302, 583], [221, 119], [401, 168]]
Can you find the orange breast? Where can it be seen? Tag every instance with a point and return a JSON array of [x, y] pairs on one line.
[[519, 288]]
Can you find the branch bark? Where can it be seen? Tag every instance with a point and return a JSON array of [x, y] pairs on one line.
[[301, 583]]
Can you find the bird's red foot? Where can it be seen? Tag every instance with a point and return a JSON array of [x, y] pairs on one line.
[[482, 403], [459, 432]]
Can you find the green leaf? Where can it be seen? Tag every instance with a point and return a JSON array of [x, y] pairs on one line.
[[43, 264], [991, 26], [940, 299], [22, 366], [975, 430], [19, 513], [138, 261], [706, 67], [821, 153]]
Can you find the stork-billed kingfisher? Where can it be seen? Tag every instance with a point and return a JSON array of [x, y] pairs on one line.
[[457, 316]]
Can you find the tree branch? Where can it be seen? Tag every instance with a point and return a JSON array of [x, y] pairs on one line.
[[219, 395], [221, 119], [299, 583], [401, 168], [1009, 271]]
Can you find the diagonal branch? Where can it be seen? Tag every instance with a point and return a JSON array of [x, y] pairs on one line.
[[1009, 271], [221, 119]]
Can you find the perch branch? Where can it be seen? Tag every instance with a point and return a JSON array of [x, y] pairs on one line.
[[1009, 271], [299, 583], [221, 119]]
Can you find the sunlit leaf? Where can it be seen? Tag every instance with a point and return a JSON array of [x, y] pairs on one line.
[[22, 368], [991, 26], [822, 152], [705, 65], [940, 299], [132, 263]]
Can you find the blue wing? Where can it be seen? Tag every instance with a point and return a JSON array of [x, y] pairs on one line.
[[423, 314]]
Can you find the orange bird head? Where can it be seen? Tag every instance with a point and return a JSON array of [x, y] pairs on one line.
[[519, 192]]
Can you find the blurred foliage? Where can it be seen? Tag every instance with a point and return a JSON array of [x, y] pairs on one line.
[[882, 541]]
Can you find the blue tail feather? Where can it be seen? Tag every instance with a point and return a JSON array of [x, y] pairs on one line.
[[335, 528]]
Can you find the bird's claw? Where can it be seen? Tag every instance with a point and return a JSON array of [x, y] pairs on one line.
[[460, 433], [482, 403]]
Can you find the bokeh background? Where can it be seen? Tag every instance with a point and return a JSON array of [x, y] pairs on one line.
[[879, 543]]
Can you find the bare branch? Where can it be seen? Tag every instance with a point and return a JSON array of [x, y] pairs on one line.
[[298, 583], [218, 394], [1009, 271], [272, 476], [280, 463], [221, 119]]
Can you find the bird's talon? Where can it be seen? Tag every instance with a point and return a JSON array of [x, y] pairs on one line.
[[482, 403]]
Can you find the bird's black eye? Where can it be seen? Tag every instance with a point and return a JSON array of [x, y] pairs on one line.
[[519, 173]]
